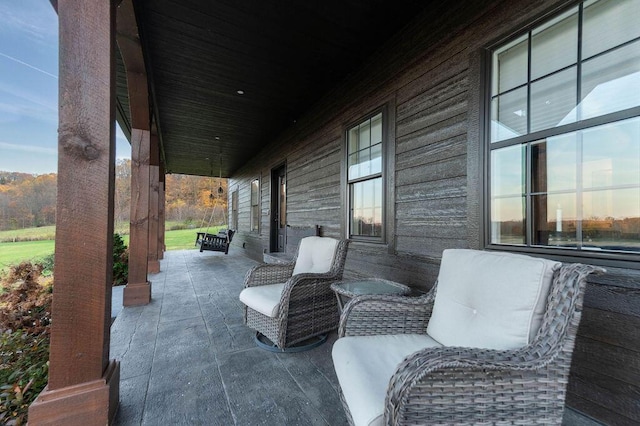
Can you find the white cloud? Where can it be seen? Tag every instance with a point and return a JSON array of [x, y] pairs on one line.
[[28, 148], [28, 65], [36, 19]]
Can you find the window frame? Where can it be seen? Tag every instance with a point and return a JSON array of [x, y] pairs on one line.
[[254, 227], [386, 174], [607, 258]]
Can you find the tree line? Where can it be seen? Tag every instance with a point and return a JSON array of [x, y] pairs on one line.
[[28, 200]]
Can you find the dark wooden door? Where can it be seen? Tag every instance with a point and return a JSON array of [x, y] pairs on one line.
[[278, 209]]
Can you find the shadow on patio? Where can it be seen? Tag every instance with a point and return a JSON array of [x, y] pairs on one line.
[[187, 358]]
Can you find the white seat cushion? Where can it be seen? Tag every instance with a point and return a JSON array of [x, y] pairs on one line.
[[365, 364], [490, 300], [315, 255], [263, 298]]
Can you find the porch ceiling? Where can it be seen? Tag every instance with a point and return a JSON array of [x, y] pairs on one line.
[[283, 54]]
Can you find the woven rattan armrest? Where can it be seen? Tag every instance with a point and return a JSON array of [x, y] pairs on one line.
[[438, 384], [270, 273], [301, 286], [378, 314]]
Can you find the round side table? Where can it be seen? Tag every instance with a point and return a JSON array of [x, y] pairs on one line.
[[353, 288]]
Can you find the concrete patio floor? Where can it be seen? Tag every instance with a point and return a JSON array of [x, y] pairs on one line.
[[187, 358]]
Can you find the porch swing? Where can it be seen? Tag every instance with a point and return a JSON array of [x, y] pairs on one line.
[[222, 240]]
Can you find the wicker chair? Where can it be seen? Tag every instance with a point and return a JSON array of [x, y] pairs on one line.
[[434, 383], [293, 303]]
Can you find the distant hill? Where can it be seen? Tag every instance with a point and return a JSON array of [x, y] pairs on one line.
[[28, 200], [14, 178]]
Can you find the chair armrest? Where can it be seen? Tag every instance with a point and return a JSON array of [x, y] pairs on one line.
[[378, 314], [467, 385], [301, 285], [270, 273]]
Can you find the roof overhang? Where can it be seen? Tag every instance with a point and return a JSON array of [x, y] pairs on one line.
[[226, 78]]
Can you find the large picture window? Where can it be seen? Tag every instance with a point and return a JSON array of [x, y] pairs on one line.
[[255, 205], [564, 163], [365, 168]]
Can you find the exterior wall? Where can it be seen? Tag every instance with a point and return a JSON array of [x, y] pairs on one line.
[[430, 75]]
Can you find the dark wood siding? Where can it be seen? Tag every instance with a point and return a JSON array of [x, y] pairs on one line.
[[431, 74]]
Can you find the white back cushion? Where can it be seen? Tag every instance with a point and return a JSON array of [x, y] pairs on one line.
[[315, 255], [490, 300]]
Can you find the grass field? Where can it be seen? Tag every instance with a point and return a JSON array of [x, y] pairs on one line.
[[40, 233], [13, 253]]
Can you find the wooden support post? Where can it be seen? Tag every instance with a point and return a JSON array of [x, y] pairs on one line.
[[154, 176], [83, 383], [161, 215], [138, 289]]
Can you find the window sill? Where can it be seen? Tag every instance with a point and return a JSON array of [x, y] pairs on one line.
[[592, 257]]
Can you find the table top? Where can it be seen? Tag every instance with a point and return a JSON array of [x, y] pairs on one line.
[[354, 288]]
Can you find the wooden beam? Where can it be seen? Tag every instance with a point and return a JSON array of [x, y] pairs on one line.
[[83, 383], [131, 50], [138, 289], [154, 197], [161, 212]]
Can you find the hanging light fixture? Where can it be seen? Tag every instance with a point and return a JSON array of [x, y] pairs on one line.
[[220, 189], [211, 181]]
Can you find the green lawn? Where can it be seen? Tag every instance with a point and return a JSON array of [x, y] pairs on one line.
[[13, 253]]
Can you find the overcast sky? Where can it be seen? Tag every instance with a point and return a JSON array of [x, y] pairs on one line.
[[29, 88]]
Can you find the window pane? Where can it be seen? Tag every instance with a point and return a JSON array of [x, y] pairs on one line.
[[611, 82], [554, 220], [366, 211], [611, 219], [376, 158], [255, 218], [353, 159], [611, 155], [609, 23], [255, 205], [282, 214], [365, 157], [254, 192], [507, 221], [366, 162], [353, 139], [554, 164], [553, 100], [509, 115], [555, 45], [376, 129], [507, 171], [364, 135], [510, 66]]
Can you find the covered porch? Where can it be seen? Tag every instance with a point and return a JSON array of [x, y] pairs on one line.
[[187, 358], [268, 95]]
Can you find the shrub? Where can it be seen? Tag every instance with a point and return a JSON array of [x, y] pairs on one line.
[[25, 317], [120, 261], [25, 303], [47, 263], [24, 370]]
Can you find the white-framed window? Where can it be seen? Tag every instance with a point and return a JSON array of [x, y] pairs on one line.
[[234, 210], [365, 178], [255, 205], [564, 132]]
